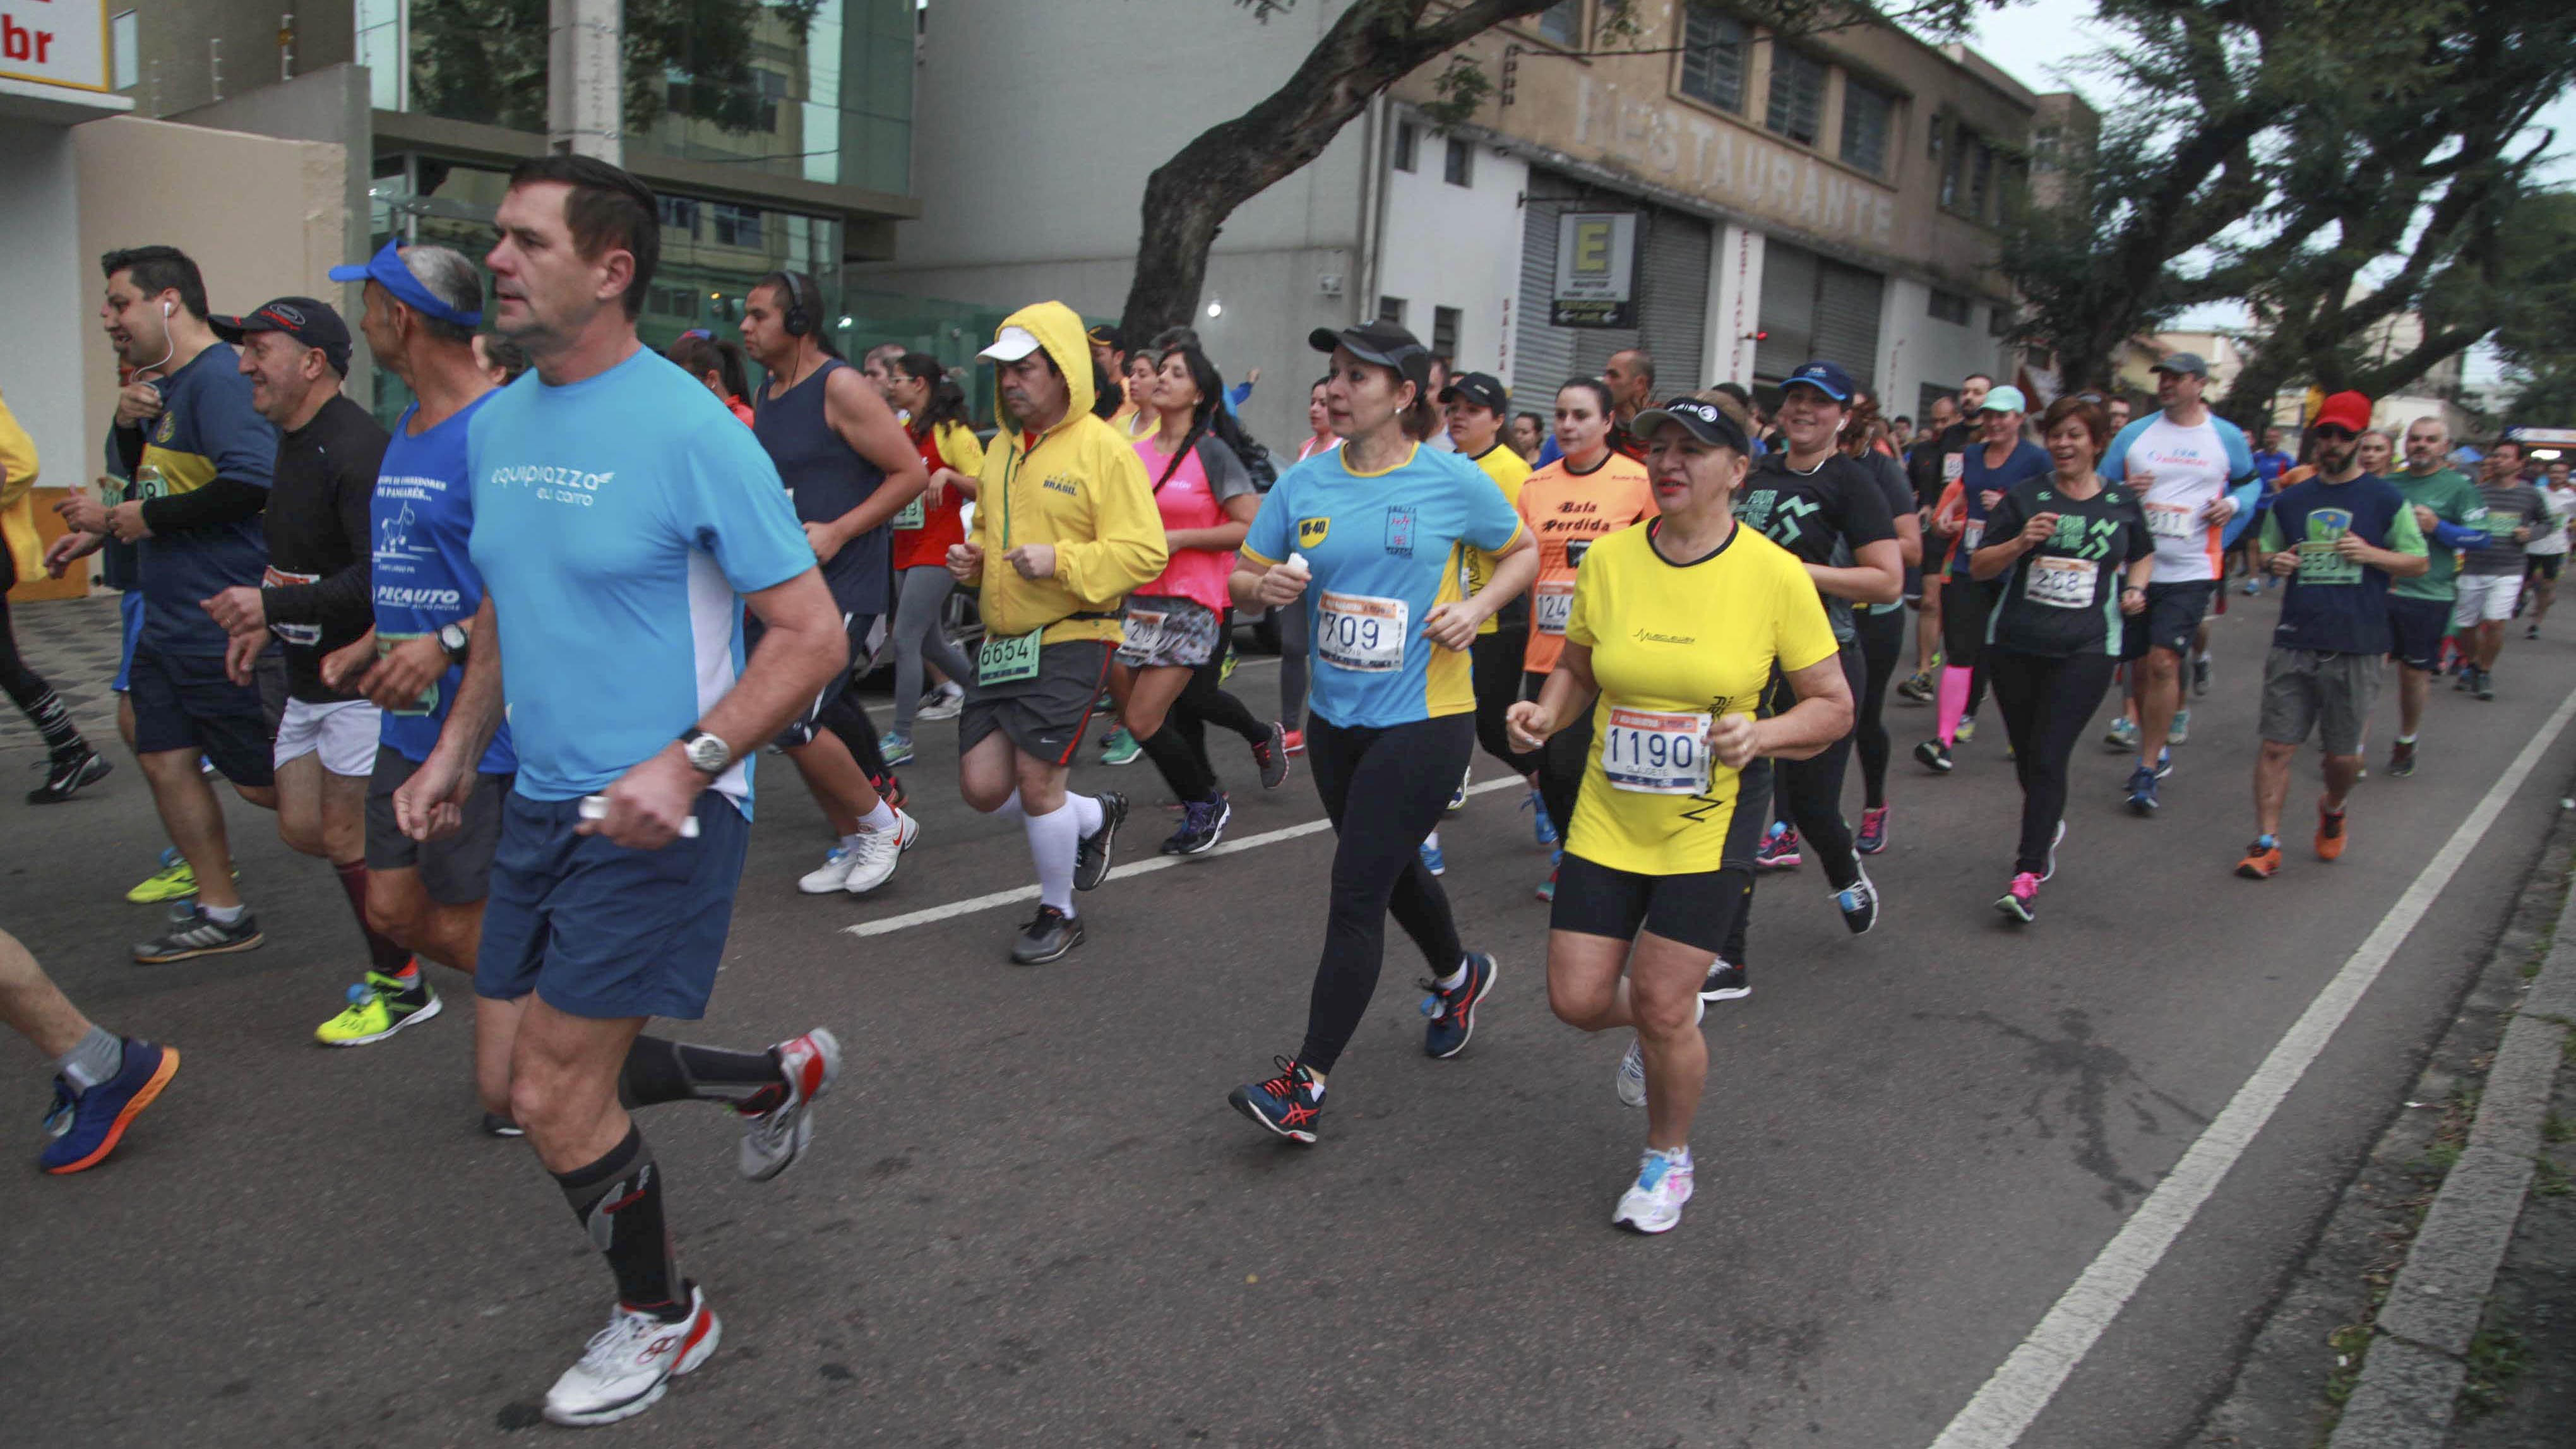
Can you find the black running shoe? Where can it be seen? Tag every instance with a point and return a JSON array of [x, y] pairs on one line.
[[1453, 1012], [889, 788], [2401, 759], [194, 933], [1934, 755], [1726, 982], [1049, 938], [1202, 826], [1272, 756], [1285, 1104], [496, 1125], [1091, 857], [69, 772]]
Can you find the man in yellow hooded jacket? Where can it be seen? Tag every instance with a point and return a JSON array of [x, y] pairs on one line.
[[1065, 527], [70, 762]]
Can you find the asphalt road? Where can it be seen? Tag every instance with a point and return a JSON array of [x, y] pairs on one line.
[[1029, 1215]]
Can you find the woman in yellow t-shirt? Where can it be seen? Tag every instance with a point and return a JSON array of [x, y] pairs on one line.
[[1677, 780]]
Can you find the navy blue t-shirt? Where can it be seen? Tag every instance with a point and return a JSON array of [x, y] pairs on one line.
[[2333, 604], [825, 479], [206, 430], [2027, 461]]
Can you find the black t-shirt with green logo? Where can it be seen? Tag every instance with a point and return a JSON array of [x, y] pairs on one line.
[[2063, 597]]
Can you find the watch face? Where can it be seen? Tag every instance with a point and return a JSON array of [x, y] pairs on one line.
[[707, 753]]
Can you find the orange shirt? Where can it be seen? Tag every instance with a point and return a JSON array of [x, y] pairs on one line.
[[1567, 512]]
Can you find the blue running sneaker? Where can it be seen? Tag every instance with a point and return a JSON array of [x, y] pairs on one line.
[[86, 1126], [1540, 825], [1432, 860], [2142, 790], [1453, 1011], [896, 748], [1285, 1104], [2164, 762]]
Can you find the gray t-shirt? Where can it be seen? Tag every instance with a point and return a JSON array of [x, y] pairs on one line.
[[2508, 505]]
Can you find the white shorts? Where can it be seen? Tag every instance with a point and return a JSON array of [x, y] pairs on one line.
[[345, 733], [2486, 598]]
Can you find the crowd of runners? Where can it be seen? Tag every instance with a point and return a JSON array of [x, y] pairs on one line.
[[507, 664]]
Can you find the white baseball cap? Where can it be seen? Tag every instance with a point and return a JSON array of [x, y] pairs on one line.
[[1010, 345]]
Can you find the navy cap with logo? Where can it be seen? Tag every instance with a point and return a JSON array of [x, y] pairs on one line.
[[1382, 343], [307, 321], [1705, 421], [1825, 377], [1481, 388]]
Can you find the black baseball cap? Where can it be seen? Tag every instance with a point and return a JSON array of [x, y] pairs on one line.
[[1705, 421], [307, 321], [1107, 335], [1481, 388], [1382, 343]]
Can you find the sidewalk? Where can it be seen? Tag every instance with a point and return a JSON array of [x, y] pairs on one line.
[[2438, 1307], [73, 644]]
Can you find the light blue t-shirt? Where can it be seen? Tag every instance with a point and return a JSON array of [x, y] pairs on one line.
[[617, 522], [1384, 549], [423, 514]]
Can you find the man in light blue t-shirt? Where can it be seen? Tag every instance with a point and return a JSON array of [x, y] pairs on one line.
[[622, 522]]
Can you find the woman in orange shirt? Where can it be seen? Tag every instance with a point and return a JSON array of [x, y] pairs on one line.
[[1587, 495]]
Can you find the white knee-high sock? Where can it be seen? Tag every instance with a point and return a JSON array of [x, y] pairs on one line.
[[1010, 808], [1086, 811], [1053, 838]]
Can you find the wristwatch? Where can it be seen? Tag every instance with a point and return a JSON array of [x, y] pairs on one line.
[[707, 755], [453, 639]]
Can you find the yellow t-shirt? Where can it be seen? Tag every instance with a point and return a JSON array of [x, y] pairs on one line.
[[1508, 470], [1673, 646]]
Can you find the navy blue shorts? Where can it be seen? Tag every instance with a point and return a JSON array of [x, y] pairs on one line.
[[601, 931], [2417, 626], [129, 607], [185, 702]]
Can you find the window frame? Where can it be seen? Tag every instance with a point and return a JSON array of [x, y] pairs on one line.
[[1696, 12], [1458, 164], [1889, 101], [1783, 58], [1408, 147]]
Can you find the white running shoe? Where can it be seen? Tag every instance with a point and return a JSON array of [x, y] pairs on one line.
[[772, 1140], [1654, 1204], [1632, 1074], [943, 705], [630, 1364], [873, 859], [831, 875]]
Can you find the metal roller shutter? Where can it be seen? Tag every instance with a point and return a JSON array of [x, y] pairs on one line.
[[1847, 308], [1788, 311], [1673, 299], [1672, 296], [1542, 356]]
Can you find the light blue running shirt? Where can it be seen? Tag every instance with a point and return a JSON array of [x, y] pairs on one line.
[[617, 523]]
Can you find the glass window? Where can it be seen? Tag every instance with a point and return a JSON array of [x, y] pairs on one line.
[[1949, 307], [1562, 23], [1459, 167], [1713, 58], [1391, 309], [1868, 114], [122, 40], [1444, 331], [678, 213], [1797, 96], [1981, 178], [734, 226], [1961, 142], [1408, 138]]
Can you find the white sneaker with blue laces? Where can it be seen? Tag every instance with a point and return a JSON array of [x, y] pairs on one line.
[[1654, 1203]]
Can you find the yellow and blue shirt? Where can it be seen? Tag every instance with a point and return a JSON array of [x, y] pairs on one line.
[[206, 430], [1385, 549]]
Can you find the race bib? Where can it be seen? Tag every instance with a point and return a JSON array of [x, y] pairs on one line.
[[911, 514], [1361, 633], [1952, 466], [2169, 520], [2320, 564], [2060, 583], [1552, 604], [1971, 535], [1144, 629], [307, 635], [428, 701], [1656, 754], [1008, 659]]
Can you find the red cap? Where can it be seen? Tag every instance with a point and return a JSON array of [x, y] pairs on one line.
[[2349, 411]]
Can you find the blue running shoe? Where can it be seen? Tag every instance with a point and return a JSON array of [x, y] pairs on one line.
[[86, 1126], [1432, 860], [2164, 762], [1453, 1012], [2142, 790], [896, 748], [1285, 1104], [1540, 825]]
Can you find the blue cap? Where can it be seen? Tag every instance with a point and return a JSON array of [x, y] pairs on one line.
[[386, 268], [1825, 377]]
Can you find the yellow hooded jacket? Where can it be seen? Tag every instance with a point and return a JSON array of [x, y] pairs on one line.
[[17, 509], [1080, 488]]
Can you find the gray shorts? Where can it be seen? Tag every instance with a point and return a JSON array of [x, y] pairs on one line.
[[455, 869], [1044, 716], [1166, 630], [2305, 691]]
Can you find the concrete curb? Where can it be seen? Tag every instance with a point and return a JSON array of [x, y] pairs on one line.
[[2410, 1382]]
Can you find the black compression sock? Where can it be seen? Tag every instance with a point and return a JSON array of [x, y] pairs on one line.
[[618, 1200], [659, 1071]]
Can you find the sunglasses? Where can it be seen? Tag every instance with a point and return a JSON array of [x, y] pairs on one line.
[[2332, 434]]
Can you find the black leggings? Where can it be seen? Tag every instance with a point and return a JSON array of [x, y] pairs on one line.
[[1496, 659], [1965, 604], [25, 688], [1811, 790], [1179, 748], [1384, 790], [1882, 639], [2046, 704], [1558, 763]]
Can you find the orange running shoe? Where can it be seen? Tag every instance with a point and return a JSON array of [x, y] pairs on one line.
[[2262, 860], [2330, 835]]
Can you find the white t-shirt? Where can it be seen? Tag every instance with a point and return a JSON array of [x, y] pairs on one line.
[[2553, 540], [2179, 472]]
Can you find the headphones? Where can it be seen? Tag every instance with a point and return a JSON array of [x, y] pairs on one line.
[[798, 320]]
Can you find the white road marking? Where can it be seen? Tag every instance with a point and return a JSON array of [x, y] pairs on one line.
[[929, 914], [2023, 1386]]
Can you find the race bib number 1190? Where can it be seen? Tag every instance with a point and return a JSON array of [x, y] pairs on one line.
[[1655, 753]]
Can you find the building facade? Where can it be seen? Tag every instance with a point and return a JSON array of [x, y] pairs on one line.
[[1733, 203]]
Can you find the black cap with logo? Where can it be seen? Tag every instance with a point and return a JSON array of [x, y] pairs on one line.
[[1705, 421], [307, 321], [1382, 343], [1481, 388]]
